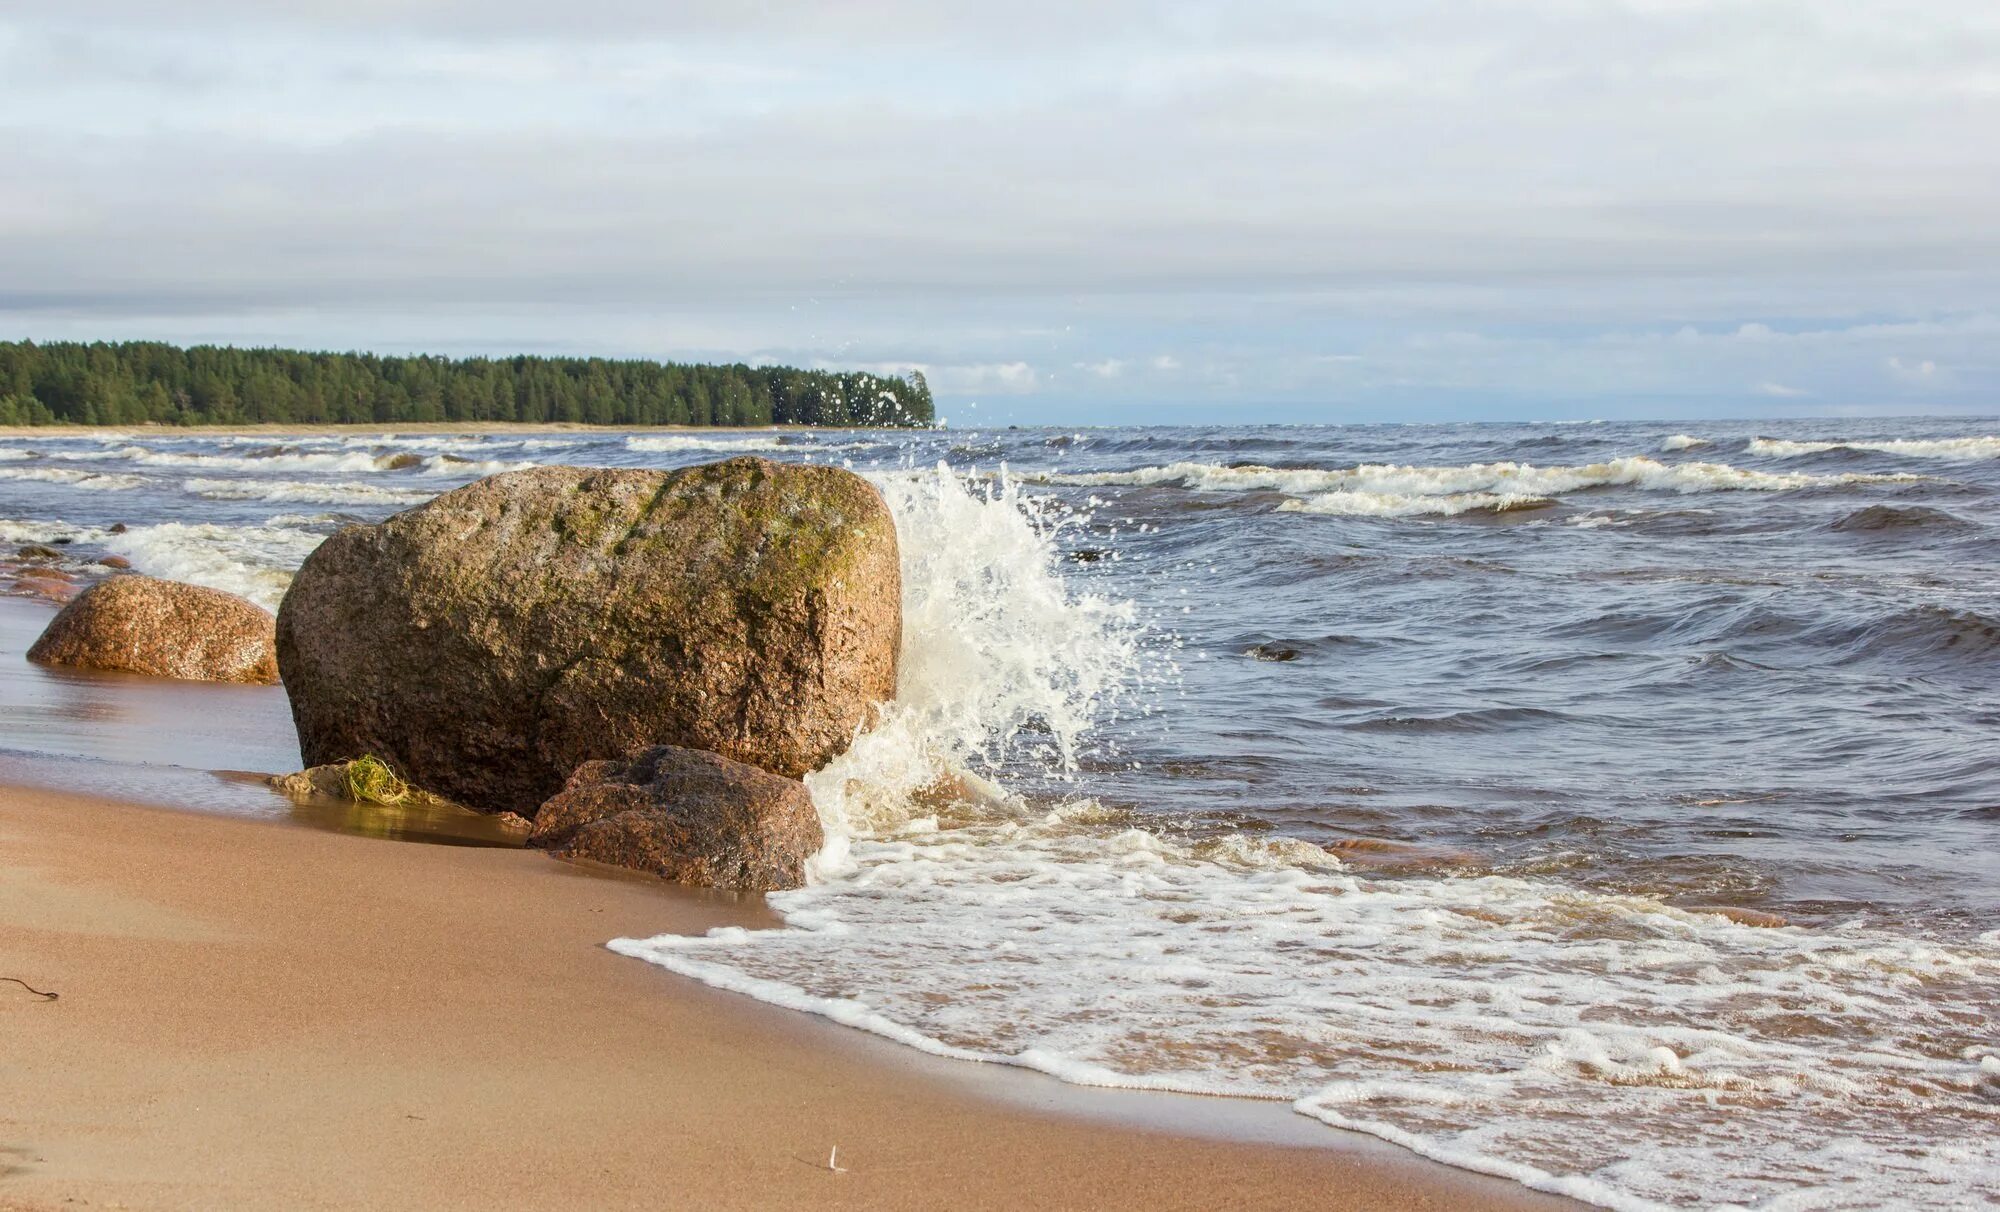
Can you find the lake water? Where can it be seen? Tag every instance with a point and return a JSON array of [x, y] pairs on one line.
[[1395, 772]]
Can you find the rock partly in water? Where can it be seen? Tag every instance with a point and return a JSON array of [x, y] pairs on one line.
[[493, 640], [114, 561], [687, 816], [39, 551], [165, 629]]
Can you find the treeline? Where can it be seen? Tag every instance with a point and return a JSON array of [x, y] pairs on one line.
[[134, 382]]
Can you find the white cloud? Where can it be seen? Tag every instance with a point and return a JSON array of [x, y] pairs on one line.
[[989, 378], [1671, 198]]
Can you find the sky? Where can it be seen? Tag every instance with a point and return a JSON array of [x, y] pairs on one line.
[[1104, 212]]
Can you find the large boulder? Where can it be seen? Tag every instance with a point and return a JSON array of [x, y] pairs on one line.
[[489, 642], [687, 816], [163, 628]]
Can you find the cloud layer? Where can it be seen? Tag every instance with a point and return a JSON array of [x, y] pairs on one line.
[[1247, 210]]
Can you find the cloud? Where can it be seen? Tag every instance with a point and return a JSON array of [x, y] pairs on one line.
[[1782, 392], [975, 185], [1002, 378]]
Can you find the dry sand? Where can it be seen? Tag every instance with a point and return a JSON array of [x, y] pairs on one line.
[[256, 1015]]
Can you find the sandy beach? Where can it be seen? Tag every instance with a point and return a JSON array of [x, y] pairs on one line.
[[256, 1015]]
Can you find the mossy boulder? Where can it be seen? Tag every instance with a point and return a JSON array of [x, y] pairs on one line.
[[135, 624], [489, 642]]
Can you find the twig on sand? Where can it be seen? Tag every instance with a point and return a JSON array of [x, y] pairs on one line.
[[832, 1158], [41, 993]]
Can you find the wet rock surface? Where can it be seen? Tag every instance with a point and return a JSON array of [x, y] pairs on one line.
[[489, 642], [687, 816], [136, 624]]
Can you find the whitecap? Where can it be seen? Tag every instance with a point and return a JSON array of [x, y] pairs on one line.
[[256, 562], [74, 478], [1471, 486], [305, 492], [1913, 448]]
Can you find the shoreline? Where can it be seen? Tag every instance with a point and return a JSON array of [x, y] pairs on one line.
[[262, 1016], [150, 429]]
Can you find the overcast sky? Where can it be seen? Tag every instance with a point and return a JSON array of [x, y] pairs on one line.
[[1069, 212]]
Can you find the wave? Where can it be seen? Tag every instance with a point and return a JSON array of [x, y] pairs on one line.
[[1402, 505], [73, 478], [1605, 1047], [1900, 518], [1913, 448], [1683, 441], [676, 443], [1381, 489], [305, 492], [1602, 1046], [267, 457], [256, 562]]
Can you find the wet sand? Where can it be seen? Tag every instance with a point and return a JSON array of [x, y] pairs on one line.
[[254, 1015]]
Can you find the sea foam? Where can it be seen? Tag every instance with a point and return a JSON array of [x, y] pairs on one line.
[[1602, 1046], [1392, 490], [1913, 448]]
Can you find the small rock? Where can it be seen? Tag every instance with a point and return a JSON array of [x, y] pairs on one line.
[[687, 816], [39, 551], [165, 629], [117, 528], [114, 561], [1272, 652]]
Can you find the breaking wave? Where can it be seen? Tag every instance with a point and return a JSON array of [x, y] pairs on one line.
[[74, 478], [255, 562], [1390, 490], [305, 492], [1606, 1047], [1913, 448], [676, 443]]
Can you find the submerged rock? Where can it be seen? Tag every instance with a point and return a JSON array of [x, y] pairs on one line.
[[489, 642], [687, 816], [162, 628]]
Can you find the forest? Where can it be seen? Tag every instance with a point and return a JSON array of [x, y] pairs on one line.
[[136, 382]]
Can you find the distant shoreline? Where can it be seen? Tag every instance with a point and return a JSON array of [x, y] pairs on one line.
[[525, 427]]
